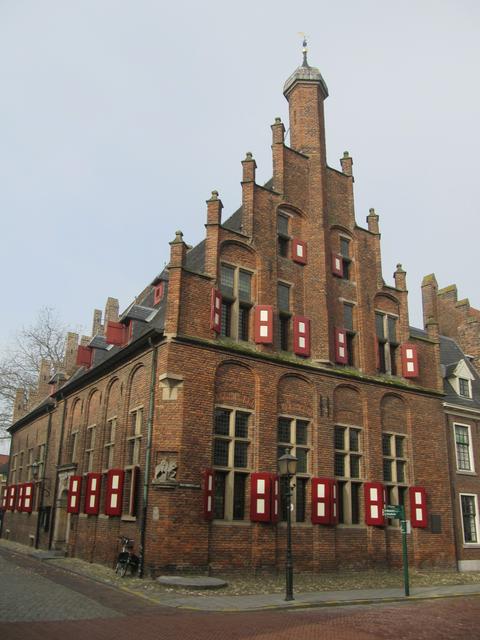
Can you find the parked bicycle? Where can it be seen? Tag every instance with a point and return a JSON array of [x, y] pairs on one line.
[[126, 558]]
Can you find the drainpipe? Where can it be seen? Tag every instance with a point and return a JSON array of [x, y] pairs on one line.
[[59, 459], [148, 455], [8, 474], [42, 490]]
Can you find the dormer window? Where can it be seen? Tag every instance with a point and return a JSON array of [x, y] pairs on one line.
[[464, 388]]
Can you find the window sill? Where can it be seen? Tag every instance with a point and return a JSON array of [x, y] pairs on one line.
[[471, 545], [352, 526], [466, 473], [127, 518], [235, 523]]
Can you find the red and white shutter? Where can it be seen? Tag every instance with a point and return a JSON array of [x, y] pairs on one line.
[[275, 501], [334, 502], [324, 501], [73, 495], [28, 497], [114, 492], [299, 251], [260, 498], [20, 490], [92, 493], [341, 353], [3, 501], [374, 504], [418, 507], [216, 311], [409, 360], [301, 335], [264, 324], [12, 494], [208, 494], [337, 265]]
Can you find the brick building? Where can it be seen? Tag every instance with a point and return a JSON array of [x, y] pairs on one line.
[[276, 331]]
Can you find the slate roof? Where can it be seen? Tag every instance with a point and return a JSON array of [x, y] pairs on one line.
[[450, 356], [137, 312]]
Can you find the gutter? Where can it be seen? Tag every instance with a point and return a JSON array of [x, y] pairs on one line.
[[42, 490], [55, 489], [2, 519], [148, 455]]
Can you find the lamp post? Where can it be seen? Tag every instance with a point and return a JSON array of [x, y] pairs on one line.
[[287, 466]]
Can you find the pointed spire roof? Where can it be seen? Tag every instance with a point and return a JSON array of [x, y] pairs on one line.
[[305, 73]]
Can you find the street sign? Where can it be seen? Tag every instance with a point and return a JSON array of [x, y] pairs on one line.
[[393, 511]]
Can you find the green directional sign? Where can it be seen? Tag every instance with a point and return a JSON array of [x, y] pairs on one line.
[[393, 511]]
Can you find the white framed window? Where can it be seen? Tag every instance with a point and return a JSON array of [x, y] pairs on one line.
[[231, 462], [109, 446], [464, 388], [348, 471], [470, 519], [236, 289], [41, 460], [89, 448], [134, 441], [386, 326], [13, 471], [394, 449], [294, 434], [463, 447]]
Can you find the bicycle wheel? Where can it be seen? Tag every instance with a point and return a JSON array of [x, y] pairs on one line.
[[123, 569]]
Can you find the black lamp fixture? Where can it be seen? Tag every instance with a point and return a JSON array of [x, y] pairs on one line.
[[287, 466]]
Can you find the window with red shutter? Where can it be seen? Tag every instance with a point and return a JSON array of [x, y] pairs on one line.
[[374, 503], [84, 356], [11, 500], [92, 493], [324, 501], [73, 495], [28, 497], [275, 502], [260, 500], [208, 494], [158, 293], [20, 490], [341, 352], [3, 501], [301, 335], [216, 311], [115, 333], [114, 492], [263, 324], [337, 265], [409, 360], [418, 507], [299, 251]]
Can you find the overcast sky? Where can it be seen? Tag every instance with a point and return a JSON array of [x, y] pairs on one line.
[[119, 117]]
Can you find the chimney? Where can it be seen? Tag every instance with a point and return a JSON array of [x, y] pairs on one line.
[[178, 251], [20, 404], [248, 191], [71, 346], [97, 327], [278, 151], [111, 311], [44, 375], [346, 163], [400, 277], [429, 300], [214, 219]]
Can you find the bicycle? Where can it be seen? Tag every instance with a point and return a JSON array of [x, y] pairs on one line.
[[126, 559]]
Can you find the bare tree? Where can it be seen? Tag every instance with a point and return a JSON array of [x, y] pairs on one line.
[[20, 362]]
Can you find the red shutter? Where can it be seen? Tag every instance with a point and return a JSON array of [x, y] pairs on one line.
[[20, 490], [115, 333], [337, 265], [301, 335], [28, 497], [418, 507], [263, 324], [92, 493], [158, 293], [324, 501], [114, 492], [409, 360], [299, 251], [3, 501], [216, 311], [12, 493], [260, 497], [341, 353], [374, 503], [84, 356], [73, 496], [208, 494], [275, 502]]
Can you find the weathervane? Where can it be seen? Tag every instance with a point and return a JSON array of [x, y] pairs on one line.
[[304, 48]]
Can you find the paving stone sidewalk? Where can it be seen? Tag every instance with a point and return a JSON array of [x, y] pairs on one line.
[[267, 592]]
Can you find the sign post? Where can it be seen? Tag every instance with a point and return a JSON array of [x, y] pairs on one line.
[[397, 512]]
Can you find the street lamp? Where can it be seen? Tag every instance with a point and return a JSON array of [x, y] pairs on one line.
[[287, 466]]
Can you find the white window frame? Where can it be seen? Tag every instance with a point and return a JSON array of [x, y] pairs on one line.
[[470, 448], [469, 383], [477, 520]]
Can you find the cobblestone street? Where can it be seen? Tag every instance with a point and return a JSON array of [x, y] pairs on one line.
[[39, 600]]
